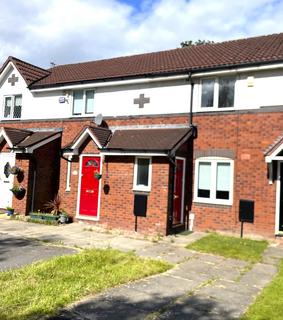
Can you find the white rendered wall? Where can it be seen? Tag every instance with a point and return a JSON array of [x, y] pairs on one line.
[[252, 91], [166, 97]]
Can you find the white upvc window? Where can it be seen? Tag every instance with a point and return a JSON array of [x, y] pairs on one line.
[[142, 174], [214, 180], [83, 102], [12, 108], [68, 177], [217, 93]]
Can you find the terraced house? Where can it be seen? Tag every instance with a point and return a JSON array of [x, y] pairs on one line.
[[146, 142]]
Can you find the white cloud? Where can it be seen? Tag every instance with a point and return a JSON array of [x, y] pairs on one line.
[[67, 31]]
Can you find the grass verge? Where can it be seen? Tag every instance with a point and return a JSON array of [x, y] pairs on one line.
[[269, 304], [230, 247], [40, 289]]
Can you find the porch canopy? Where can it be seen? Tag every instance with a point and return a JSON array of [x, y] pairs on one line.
[[100, 136], [275, 151], [158, 142], [161, 141], [26, 141]]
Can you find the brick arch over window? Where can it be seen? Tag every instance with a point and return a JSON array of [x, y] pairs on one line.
[[224, 153]]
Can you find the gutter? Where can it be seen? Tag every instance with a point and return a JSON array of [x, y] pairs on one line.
[[94, 84], [167, 76]]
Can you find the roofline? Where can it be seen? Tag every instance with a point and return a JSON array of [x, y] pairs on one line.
[[13, 60], [36, 145], [133, 150], [160, 76], [110, 82], [5, 136], [149, 153], [182, 140]]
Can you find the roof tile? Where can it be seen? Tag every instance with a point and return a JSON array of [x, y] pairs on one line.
[[255, 50], [147, 139]]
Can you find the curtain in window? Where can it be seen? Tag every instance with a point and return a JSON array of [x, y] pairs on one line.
[[207, 93], [204, 179], [78, 102], [17, 107], [226, 92], [89, 101], [223, 181], [8, 106], [143, 172]]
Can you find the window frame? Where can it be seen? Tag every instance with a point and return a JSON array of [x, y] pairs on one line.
[[212, 199], [84, 113], [216, 92], [13, 100], [142, 188]]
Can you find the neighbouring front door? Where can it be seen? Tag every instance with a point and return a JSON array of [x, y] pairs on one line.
[[179, 184], [89, 190], [6, 179]]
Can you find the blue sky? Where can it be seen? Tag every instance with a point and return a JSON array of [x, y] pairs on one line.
[[68, 31]]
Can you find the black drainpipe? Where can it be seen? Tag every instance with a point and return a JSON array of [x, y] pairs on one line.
[[191, 100], [172, 159]]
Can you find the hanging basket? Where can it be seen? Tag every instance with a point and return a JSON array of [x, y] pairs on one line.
[[19, 192], [97, 175], [15, 170]]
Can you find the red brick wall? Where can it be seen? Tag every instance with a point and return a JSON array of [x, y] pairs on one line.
[[248, 135], [117, 206], [46, 161], [23, 205]]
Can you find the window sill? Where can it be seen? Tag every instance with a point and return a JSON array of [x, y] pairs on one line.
[[215, 109], [213, 202], [10, 119], [84, 115], [136, 190]]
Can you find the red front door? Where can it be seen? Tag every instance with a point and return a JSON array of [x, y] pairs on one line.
[[89, 192], [178, 191]]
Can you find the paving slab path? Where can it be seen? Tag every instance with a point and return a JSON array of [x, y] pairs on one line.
[[203, 287], [200, 286]]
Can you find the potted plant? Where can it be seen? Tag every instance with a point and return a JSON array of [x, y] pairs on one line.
[[63, 217], [97, 175], [55, 207], [10, 211]]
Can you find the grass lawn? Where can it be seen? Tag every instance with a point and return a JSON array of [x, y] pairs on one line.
[[269, 304], [230, 247], [42, 288]]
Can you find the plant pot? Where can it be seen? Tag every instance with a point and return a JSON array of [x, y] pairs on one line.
[[63, 218], [43, 217], [10, 212]]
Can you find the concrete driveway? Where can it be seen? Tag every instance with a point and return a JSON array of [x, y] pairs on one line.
[[16, 252]]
